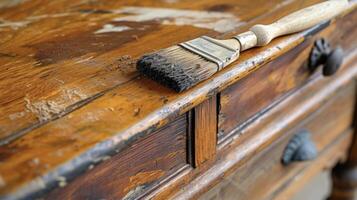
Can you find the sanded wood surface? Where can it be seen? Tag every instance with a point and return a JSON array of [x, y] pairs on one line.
[[69, 91]]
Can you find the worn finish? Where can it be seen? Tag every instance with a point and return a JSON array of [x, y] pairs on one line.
[[67, 67], [260, 134], [179, 67], [205, 131], [344, 175], [264, 176], [69, 92], [230, 188], [136, 170], [250, 96]]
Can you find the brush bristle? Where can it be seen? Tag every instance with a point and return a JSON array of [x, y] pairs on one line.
[[176, 68]]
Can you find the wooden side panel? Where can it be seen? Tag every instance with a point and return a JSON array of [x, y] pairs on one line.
[[264, 177], [205, 131], [134, 171]]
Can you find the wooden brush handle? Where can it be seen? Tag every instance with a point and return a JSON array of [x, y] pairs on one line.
[[299, 20]]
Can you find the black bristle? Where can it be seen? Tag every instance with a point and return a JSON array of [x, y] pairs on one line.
[[173, 68], [161, 70]]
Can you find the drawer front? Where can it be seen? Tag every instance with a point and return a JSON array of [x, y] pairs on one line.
[[256, 93], [135, 171], [264, 176]]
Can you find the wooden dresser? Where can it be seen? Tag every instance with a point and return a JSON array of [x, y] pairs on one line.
[[78, 122]]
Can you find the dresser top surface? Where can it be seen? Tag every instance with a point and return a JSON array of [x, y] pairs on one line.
[[68, 81]]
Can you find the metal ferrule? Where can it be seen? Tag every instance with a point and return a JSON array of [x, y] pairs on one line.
[[212, 50], [247, 40]]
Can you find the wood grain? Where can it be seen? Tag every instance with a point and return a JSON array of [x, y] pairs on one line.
[[252, 95], [53, 62], [344, 181], [263, 177], [134, 171], [65, 89], [336, 151], [205, 134], [260, 134]]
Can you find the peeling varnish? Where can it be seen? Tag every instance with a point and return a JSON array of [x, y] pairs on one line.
[[134, 192], [10, 3], [217, 21], [62, 181], [107, 28], [90, 117], [73, 94], [20, 24], [17, 115], [283, 3], [44, 110], [142, 178], [13, 24], [37, 17], [48, 109]]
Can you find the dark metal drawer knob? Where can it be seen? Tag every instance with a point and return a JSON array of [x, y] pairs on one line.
[[322, 54], [299, 148]]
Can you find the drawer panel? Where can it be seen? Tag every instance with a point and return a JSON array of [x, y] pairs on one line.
[[252, 94], [134, 171], [245, 100], [264, 176]]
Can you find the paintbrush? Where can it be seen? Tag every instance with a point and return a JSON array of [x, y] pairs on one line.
[[184, 65]]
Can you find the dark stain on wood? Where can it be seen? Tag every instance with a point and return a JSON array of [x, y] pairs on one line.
[[248, 97], [265, 169], [8, 55], [100, 144], [81, 43], [220, 8], [138, 167], [95, 11], [313, 31]]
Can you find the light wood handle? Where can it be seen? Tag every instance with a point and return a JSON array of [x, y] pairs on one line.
[[298, 21]]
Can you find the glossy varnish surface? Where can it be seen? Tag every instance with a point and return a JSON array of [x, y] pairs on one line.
[[69, 91]]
